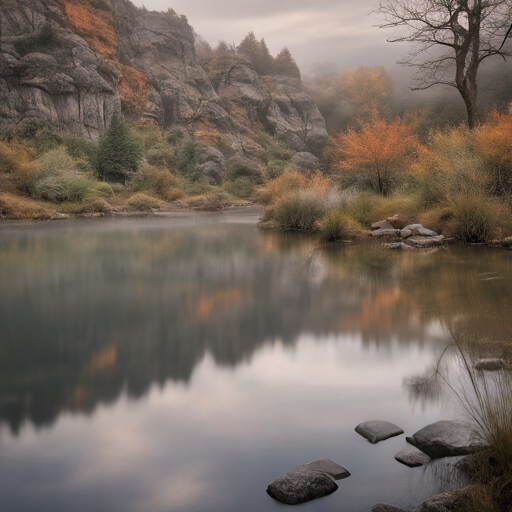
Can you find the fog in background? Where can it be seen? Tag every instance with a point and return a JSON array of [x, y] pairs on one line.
[[328, 38]]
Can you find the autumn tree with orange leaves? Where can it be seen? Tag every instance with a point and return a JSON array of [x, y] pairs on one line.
[[377, 153]]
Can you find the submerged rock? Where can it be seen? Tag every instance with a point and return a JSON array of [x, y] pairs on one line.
[[445, 502], [399, 246], [446, 438], [384, 507], [412, 459], [307, 482], [421, 242], [491, 365], [376, 431]]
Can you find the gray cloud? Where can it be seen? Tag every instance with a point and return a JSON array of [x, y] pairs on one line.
[[338, 31]]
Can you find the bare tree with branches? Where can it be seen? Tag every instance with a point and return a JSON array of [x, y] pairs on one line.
[[450, 38]]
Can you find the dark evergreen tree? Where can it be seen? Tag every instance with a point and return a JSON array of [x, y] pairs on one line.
[[265, 62], [284, 64], [120, 152], [250, 47]]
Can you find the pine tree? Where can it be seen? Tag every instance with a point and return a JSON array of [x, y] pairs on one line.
[[265, 59], [284, 64], [120, 152], [250, 47]]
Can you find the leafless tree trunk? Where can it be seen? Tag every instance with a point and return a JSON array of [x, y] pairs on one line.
[[450, 38]]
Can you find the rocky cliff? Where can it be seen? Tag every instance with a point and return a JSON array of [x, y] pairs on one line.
[[74, 63]]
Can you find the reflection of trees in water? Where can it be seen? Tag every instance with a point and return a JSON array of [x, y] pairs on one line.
[[86, 316]]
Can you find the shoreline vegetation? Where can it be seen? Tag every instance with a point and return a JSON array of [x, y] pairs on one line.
[[455, 181]]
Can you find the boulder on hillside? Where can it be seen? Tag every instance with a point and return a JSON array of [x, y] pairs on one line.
[[211, 163], [376, 431], [307, 482], [446, 439], [304, 161]]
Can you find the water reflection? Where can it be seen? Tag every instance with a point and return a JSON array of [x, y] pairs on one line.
[[85, 314]]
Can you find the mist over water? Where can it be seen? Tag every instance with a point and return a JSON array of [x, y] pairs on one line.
[[150, 364]]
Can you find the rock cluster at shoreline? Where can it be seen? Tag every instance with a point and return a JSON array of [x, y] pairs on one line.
[[453, 440]]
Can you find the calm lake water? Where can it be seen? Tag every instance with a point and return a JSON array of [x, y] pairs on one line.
[[181, 364]]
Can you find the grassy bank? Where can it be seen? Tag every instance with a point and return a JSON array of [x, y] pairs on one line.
[[45, 173], [457, 182]]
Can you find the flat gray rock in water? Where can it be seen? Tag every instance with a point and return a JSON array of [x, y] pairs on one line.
[[399, 246], [327, 466], [422, 242], [445, 439], [376, 431], [412, 459], [300, 485], [418, 229], [384, 507]]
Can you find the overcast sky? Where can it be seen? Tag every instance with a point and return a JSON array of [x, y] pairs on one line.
[[337, 31]]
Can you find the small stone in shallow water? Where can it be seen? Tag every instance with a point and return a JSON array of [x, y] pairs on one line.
[[412, 459], [376, 431]]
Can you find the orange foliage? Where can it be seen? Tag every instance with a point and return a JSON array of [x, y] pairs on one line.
[[494, 139], [95, 25], [292, 180], [379, 148], [208, 136], [133, 88]]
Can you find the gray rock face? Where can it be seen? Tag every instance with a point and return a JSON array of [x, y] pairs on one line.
[[74, 64], [446, 439], [307, 482], [383, 507], [300, 485], [412, 459], [445, 502], [49, 72], [304, 161], [376, 431]]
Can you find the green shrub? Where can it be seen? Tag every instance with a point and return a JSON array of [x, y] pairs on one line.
[[153, 179], [238, 167], [362, 207], [273, 169], [297, 210], [241, 187], [474, 217], [82, 149], [60, 179], [119, 152], [99, 190], [142, 202], [163, 155], [282, 151], [98, 205], [338, 226]]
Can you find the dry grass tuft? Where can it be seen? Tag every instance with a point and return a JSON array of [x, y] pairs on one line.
[[17, 208]]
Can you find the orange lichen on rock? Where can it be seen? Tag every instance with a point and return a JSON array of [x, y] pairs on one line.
[[209, 136], [94, 24], [133, 88]]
